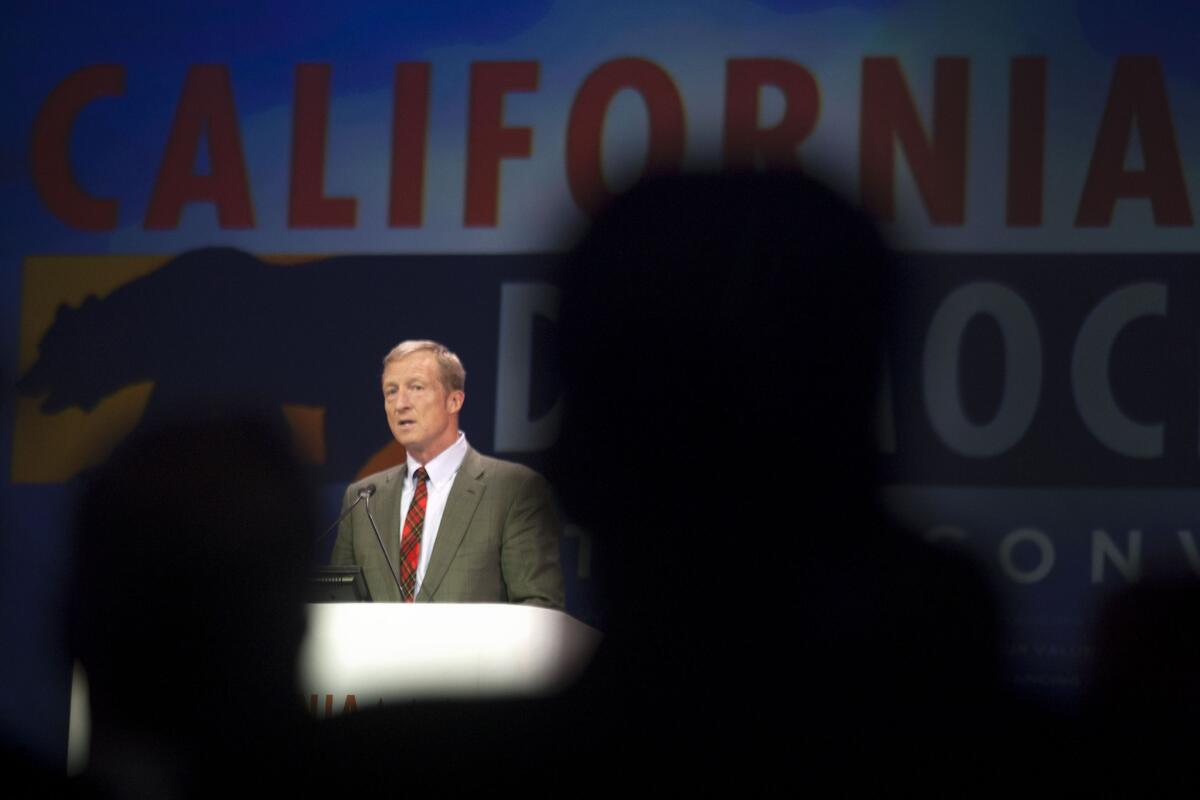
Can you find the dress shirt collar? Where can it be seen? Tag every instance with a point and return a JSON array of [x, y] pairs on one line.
[[443, 466]]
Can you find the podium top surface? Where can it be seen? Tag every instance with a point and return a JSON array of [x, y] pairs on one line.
[[396, 651]]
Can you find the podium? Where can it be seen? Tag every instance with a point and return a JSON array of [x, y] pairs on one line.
[[357, 655]]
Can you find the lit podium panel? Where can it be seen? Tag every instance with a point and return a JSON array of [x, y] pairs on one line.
[[358, 655]]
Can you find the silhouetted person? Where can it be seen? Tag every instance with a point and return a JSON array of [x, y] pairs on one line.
[[187, 611], [721, 343]]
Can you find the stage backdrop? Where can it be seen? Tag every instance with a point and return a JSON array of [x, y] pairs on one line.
[[260, 201]]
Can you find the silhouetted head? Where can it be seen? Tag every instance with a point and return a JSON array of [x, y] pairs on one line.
[[187, 605], [721, 338], [720, 346], [713, 325]]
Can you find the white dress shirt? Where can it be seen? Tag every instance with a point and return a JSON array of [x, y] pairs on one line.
[[441, 470]]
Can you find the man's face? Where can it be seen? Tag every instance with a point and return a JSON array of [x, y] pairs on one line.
[[423, 416]]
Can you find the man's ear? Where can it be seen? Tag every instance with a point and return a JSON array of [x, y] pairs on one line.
[[454, 401]]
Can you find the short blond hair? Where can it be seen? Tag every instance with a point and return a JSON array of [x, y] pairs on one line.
[[454, 377]]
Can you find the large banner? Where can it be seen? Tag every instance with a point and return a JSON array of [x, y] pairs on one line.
[[259, 202]]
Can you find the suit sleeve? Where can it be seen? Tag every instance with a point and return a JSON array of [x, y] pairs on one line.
[[343, 546], [529, 551]]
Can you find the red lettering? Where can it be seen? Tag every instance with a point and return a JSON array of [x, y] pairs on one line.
[[410, 126], [308, 207], [488, 140], [1138, 96], [585, 126], [50, 152], [939, 165], [1026, 140], [746, 145], [205, 106], [351, 704]]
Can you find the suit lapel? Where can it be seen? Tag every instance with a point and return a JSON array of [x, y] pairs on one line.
[[388, 519], [465, 494]]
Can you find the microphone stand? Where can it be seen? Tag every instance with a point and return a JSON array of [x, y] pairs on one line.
[[365, 494]]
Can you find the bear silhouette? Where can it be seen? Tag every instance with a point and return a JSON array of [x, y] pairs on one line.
[[218, 324]]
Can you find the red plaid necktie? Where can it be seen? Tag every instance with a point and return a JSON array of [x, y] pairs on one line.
[[410, 536]]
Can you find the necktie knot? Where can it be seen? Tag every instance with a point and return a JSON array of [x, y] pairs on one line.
[[420, 476]]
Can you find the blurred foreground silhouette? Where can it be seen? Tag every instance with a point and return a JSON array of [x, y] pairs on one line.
[[721, 343], [187, 611]]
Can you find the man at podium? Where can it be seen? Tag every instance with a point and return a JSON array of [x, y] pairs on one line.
[[449, 525]]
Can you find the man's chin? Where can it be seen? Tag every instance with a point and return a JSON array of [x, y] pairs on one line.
[[404, 437]]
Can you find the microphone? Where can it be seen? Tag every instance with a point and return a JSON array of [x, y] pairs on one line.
[[363, 494]]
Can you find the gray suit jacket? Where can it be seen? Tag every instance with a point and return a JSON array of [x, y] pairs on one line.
[[497, 541]]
